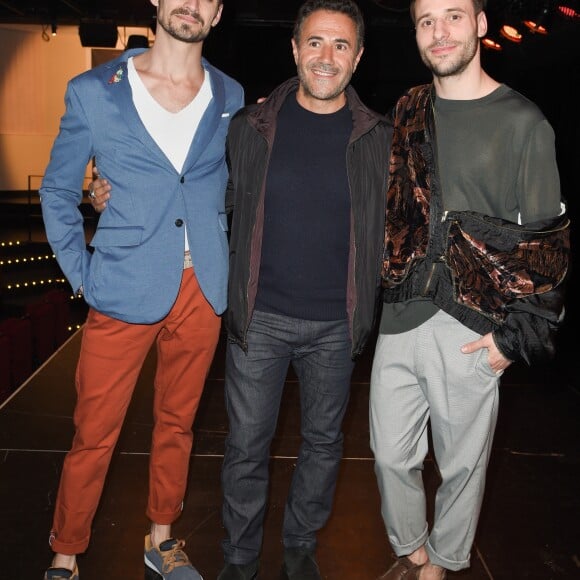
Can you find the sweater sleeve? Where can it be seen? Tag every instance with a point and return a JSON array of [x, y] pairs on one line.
[[529, 331]]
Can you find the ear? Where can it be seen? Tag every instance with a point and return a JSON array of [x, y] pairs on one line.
[[218, 16], [294, 50], [481, 24], [358, 57]]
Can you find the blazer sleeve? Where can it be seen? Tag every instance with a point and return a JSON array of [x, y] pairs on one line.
[[61, 190]]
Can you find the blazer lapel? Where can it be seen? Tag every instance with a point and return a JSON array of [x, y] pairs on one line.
[[117, 76], [119, 79], [210, 120]]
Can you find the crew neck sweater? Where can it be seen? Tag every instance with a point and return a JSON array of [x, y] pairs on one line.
[[306, 235]]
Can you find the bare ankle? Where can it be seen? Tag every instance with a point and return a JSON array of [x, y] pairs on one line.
[[64, 561], [419, 556], [432, 572], [159, 533]]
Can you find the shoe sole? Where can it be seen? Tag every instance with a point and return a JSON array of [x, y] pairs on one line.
[[151, 574]]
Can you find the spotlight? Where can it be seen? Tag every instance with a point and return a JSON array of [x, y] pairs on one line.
[[53, 29], [491, 44], [511, 33], [535, 27], [568, 12], [538, 26]]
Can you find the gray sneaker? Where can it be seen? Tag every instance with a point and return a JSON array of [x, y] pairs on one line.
[[169, 561], [239, 571]]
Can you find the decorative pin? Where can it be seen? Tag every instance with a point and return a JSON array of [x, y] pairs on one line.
[[117, 77]]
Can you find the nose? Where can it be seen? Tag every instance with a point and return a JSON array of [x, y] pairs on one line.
[[327, 53], [440, 29]]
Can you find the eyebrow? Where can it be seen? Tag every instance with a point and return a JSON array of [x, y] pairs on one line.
[[446, 11], [317, 37]]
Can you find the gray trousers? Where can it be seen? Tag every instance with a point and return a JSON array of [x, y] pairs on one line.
[[418, 377]]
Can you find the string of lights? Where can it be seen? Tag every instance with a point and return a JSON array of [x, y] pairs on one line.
[[34, 283], [25, 260]]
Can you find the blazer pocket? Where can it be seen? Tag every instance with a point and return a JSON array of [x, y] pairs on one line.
[[121, 236]]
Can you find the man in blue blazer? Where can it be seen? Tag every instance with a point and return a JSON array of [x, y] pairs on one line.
[[155, 121]]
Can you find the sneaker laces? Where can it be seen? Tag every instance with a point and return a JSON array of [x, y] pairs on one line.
[[173, 555]]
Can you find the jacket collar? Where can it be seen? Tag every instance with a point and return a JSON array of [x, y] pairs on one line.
[[263, 116]]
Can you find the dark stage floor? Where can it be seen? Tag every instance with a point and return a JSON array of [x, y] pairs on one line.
[[529, 527]]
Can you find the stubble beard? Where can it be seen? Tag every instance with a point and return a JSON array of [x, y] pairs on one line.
[[447, 67], [184, 31], [322, 94]]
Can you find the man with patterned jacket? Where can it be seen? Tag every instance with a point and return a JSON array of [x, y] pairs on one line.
[[476, 253]]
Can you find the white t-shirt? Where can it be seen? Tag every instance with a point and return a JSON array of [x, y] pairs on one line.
[[173, 132]]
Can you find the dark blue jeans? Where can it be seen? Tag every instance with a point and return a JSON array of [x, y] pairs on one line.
[[320, 353]]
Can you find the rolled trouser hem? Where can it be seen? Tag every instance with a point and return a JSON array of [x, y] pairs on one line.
[[240, 556], [69, 549], [307, 546], [238, 562], [438, 560], [163, 519], [409, 548]]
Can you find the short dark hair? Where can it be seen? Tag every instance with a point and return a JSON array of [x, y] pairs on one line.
[[348, 7], [478, 5]]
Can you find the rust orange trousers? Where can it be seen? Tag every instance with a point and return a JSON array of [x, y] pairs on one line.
[[111, 357]]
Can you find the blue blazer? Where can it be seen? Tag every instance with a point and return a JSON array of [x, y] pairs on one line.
[[135, 268]]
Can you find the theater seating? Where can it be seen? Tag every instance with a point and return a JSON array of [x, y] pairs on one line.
[[17, 332]]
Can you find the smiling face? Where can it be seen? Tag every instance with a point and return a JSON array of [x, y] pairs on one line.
[[188, 20], [326, 52], [447, 34]]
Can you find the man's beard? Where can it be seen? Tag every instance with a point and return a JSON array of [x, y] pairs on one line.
[[184, 32], [328, 93], [450, 67]]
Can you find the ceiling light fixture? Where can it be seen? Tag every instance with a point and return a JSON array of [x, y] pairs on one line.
[[568, 12], [491, 44], [511, 33], [538, 25], [535, 27]]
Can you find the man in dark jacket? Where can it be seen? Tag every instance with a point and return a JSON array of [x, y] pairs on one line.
[[307, 183]]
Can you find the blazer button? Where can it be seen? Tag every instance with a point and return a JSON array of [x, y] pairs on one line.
[[178, 223], [182, 180]]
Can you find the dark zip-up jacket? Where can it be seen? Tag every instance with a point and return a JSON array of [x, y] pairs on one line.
[[249, 145], [491, 274]]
